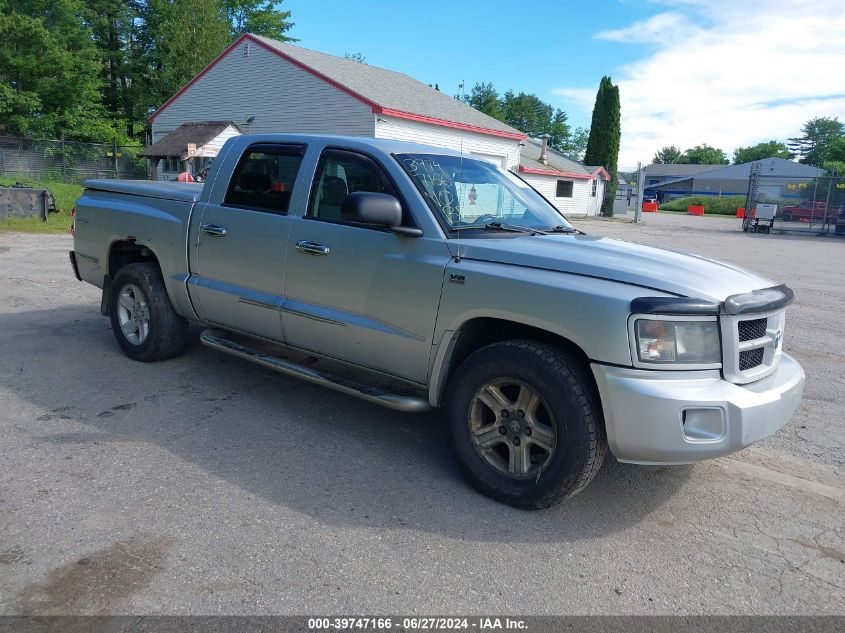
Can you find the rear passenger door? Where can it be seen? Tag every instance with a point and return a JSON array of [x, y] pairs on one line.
[[239, 276]]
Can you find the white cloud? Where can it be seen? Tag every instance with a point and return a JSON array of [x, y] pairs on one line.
[[725, 72]]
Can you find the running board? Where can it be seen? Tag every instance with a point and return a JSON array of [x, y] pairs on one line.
[[364, 392]]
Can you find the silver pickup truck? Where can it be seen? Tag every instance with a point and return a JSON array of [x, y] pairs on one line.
[[416, 277]]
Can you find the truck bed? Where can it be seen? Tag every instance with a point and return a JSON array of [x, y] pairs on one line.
[[181, 191]]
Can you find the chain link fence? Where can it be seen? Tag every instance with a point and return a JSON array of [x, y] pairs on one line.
[[803, 205], [69, 161]]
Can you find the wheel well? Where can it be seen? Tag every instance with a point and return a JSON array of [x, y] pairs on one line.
[[480, 332], [128, 252]]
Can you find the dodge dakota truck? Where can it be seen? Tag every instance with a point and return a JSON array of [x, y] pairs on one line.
[[415, 277]]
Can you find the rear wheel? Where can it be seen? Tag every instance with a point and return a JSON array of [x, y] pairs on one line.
[[525, 424], [142, 318]]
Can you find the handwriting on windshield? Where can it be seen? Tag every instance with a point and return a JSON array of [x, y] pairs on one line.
[[437, 184]]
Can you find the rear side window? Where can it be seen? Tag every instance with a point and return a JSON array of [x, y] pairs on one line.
[[264, 178]]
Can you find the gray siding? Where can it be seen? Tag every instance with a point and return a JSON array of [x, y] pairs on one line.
[[281, 97]]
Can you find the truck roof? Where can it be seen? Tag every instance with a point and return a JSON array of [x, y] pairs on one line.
[[388, 146]]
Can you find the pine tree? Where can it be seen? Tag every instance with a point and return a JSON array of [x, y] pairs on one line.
[[605, 134]]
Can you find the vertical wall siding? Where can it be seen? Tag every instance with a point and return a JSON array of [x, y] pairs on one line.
[[281, 97], [452, 138], [581, 201]]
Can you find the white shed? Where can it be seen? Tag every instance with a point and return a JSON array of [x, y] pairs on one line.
[[265, 86], [570, 186]]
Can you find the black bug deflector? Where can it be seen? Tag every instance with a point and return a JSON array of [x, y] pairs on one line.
[[763, 300]]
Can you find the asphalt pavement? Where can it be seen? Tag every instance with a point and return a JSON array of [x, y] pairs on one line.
[[206, 485]]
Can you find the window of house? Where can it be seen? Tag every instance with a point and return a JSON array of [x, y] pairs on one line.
[[595, 187], [171, 165], [340, 173], [564, 189], [264, 178]]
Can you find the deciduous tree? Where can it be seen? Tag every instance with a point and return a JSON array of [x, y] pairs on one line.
[[704, 155], [771, 149], [668, 155]]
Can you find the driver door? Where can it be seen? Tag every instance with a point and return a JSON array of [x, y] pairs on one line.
[[359, 293]]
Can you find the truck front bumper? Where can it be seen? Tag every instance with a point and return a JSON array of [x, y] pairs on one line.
[[676, 417]]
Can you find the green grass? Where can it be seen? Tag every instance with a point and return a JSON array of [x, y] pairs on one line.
[[58, 222], [713, 205]]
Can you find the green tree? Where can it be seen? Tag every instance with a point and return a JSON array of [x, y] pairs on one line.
[[50, 72], [771, 149], [605, 134], [704, 155], [485, 98], [817, 134], [261, 17], [191, 34], [668, 155]]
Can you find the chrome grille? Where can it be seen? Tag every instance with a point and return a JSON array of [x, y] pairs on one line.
[[751, 345], [751, 329]]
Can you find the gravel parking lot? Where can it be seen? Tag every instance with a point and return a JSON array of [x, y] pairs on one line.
[[206, 485]]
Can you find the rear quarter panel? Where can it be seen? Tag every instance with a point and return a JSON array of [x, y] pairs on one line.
[[104, 218]]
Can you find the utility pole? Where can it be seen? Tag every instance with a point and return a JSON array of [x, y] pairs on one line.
[[638, 211]]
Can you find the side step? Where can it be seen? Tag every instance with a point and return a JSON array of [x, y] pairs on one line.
[[364, 392]]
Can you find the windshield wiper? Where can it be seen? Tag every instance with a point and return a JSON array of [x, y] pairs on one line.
[[499, 226], [563, 229]]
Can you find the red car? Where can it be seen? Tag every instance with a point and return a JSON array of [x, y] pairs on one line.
[[805, 211]]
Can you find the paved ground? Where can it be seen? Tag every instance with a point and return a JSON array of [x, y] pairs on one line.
[[207, 485]]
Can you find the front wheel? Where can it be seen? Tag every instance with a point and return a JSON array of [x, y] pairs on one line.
[[525, 424], [142, 318]]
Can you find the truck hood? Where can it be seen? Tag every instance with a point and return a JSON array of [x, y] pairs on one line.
[[618, 260]]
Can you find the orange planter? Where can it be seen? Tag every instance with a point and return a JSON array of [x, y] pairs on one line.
[[649, 207], [695, 209], [740, 212]]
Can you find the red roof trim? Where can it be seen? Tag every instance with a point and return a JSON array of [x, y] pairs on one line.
[[376, 108], [519, 136], [603, 172], [551, 172]]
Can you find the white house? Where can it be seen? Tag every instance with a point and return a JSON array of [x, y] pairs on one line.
[[567, 184], [262, 86]]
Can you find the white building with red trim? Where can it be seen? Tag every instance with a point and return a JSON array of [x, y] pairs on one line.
[[265, 86], [571, 187]]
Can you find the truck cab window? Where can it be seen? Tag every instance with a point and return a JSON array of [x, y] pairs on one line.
[[264, 178], [340, 173]]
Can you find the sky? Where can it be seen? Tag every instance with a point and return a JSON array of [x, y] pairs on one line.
[[728, 73]]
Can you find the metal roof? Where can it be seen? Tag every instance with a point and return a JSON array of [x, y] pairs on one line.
[[773, 167], [677, 170]]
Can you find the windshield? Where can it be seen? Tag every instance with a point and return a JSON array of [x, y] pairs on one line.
[[466, 192]]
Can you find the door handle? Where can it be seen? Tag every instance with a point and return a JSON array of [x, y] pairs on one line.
[[214, 230], [312, 248]]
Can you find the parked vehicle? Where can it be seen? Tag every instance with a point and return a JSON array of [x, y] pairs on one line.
[[805, 211], [416, 277]]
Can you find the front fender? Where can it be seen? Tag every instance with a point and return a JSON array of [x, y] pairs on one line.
[[589, 312]]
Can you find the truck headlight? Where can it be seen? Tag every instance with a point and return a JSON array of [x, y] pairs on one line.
[[691, 343]]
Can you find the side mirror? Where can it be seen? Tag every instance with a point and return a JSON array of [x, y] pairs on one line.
[[367, 207]]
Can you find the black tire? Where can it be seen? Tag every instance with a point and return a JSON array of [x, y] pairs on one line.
[[787, 217], [166, 331], [570, 399]]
